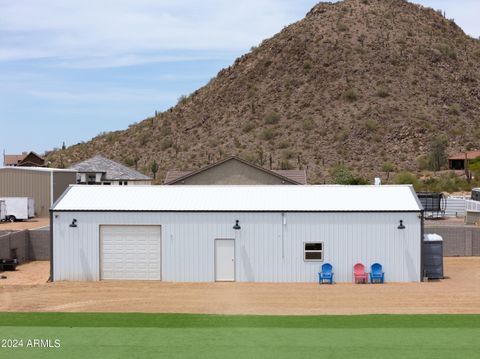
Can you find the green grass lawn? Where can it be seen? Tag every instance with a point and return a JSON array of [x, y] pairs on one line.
[[88, 335]]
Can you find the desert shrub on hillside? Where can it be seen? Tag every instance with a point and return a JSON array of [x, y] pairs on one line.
[[340, 174], [474, 167], [250, 157], [388, 168], [249, 126], [166, 143], [268, 134], [213, 143], [422, 162], [182, 100], [272, 118], [283, 144], [308, 124], [341, 135], [405, 177], [446, 182], [142, 139], [285, 165], [165, 131], [457, 131], [111, 136], [371, 125], [447, 50], [237, 143], [382, 92], [130, 162], [476, 134], [454, 109], [288, 154], [350, 96]]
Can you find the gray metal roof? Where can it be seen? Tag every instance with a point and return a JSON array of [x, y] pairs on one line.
[[111, 169]]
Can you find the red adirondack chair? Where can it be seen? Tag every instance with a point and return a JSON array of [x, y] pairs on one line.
[[359, 273]]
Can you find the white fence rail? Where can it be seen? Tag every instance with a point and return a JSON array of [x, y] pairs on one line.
[[472, 206]]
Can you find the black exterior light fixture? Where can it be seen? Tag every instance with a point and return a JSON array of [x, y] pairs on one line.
[[74, 223], [237, 226], [401, 225]]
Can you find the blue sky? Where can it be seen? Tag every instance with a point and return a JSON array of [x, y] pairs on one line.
[[70, 69]]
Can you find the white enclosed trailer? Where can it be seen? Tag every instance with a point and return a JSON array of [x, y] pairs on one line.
[[19, 208], [235, 233]]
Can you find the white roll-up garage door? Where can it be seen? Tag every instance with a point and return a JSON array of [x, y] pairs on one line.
[[130, 252]]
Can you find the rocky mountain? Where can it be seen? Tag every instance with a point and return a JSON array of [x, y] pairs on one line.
[[358, 82]]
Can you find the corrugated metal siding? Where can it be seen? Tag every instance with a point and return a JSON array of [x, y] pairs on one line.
[[35, 184], [455, 207], [188, 244]]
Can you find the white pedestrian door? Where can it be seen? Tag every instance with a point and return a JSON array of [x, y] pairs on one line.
[[130, 252], [225, 260]]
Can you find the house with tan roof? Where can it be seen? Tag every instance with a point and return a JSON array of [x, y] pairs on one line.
[[235, 171]]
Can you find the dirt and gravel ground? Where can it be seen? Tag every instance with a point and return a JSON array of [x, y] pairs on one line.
[[30, 224], [27, 290]]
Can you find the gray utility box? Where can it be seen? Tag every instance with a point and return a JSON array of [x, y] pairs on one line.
[[476, 194], [432, 256]]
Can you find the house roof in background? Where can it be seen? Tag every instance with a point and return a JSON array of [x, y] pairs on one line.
[[299, 176], [290, 176], [172, 176], [11, 160], [461, 156], [112, 170], [273, 198]]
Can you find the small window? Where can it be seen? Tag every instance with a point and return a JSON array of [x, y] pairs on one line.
[[91, 179], [125, 183], [120, 183], [313, 251]]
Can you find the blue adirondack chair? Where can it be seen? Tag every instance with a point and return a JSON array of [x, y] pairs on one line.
[[376, 273], [326, 275]]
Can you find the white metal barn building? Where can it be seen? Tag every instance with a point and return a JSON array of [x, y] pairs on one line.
[[235, 233]]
